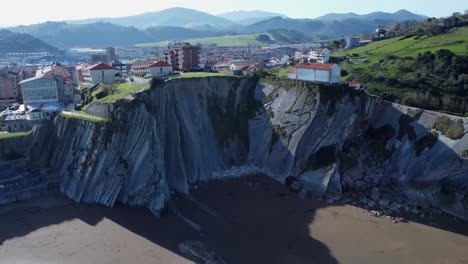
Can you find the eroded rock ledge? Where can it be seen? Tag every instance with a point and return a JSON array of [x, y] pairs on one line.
[[326, 140]]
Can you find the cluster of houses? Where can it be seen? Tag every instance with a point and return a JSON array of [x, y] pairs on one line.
[[46, 91]]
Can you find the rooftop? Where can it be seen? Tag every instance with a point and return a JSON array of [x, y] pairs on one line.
[[99, 66], [316, 66], [160, 64]]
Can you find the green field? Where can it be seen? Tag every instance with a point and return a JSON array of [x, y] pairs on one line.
[[14, 135], [224, 41], [200, 75], [456, 41], [81, 115], [120, 91]]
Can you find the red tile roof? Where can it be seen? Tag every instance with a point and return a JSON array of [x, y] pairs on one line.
[[316, 66], [99, 66], [355, 84], [160, 64], [292, 71]]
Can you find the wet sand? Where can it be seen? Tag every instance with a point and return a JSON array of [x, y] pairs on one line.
[[255, 220]]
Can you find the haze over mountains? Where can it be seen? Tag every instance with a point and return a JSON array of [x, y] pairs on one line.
[[17, 42], [182, 23]]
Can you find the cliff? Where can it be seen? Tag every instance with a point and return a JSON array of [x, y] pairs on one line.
[[327, 140]]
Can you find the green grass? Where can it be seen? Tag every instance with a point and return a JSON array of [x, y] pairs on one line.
[[121, 91], [14, 134], [81, 115], [456, 41], [224, 41], [201, 75], [284, 71]]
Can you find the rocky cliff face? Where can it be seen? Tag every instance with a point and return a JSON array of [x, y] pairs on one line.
[[327, 140]]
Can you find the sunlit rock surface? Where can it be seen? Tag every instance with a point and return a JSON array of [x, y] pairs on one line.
[[192, 130]]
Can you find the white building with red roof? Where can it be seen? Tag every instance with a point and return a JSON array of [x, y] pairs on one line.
[[98, 73], [161, 68], [327, 73]]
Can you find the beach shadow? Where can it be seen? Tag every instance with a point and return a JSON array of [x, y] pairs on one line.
[[257, 220]]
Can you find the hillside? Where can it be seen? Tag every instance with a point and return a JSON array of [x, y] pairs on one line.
[[17, 42], [177, 17], [103, 34], [312, 27], [250, 17], [428, 72], [397, 16], [225, 41], [456, 41]]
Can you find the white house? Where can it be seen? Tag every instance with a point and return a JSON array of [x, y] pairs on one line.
[[238, 66], [160, 68], [327, 73], [320, 55], [41, 89], [98, 73]]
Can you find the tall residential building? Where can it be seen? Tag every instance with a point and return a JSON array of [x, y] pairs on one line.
[[183, 56], [110, 52], [9, 89]]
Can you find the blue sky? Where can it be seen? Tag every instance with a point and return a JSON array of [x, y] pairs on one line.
[[14, 12]]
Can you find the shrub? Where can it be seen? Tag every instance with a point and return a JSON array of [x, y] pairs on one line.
[[465, 153], [453, 129]]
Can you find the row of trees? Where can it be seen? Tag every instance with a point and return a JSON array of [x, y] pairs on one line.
[[430, 26], [437, 81]]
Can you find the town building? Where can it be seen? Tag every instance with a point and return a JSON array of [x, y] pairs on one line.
[[142, 66], [238, 66], [319, 55], [327, 73], [9, 88], [111, 56], [352, 42], [183, 56], [160, 69], [98, 73]]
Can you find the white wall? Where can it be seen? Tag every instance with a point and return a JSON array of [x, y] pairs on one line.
[[104, 76], [160, 71], [331, 76], [335, 74]]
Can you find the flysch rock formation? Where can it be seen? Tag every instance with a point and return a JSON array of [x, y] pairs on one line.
[[323, 140]]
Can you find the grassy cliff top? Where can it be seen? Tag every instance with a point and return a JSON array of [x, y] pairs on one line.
[[455, 41]]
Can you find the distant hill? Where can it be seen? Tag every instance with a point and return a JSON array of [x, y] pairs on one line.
[[397, 16], [18, 42], [99, 34], [103, 34], [176, 17], [249, 17], [222, 41], [312, 27], [176, 33]]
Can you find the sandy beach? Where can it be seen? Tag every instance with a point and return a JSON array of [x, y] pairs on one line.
[[246, 220]]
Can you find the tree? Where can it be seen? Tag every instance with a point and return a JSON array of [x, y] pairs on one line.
[[263, 38], [110, 88]]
